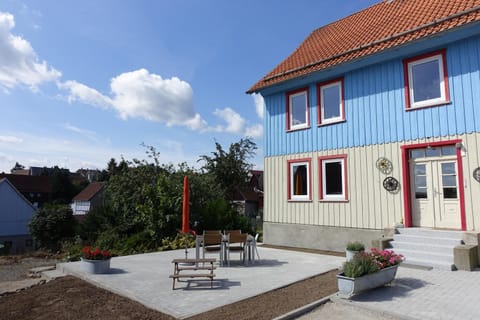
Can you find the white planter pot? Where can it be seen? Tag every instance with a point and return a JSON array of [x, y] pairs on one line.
[[349, 286], [95, 266], [350, 254]]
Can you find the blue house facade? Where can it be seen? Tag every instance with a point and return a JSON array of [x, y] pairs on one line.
[[371, 124], [15, 214]]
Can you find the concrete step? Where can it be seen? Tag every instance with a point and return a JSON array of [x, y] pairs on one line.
[[425, 255], [434, 233], [416, 246], [427, 247], [440, 265], [427, 240]]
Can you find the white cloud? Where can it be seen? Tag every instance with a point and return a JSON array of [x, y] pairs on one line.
[[255, 131], [85, 94], [10, 139], [259, 104], [19, 64], [83, 132], [235, 122], [144, 95]]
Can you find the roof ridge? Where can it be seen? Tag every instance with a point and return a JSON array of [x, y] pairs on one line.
[[373, 43]]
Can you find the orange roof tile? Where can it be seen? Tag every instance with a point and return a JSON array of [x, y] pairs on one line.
[[382, 26], [89, 192]]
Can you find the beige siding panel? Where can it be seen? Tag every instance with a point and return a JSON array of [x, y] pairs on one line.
[[370, 206]]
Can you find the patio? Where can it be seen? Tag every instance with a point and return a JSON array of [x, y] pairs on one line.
[[145, 278]]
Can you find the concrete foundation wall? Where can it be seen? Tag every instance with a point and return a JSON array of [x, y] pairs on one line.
[[316, 237]]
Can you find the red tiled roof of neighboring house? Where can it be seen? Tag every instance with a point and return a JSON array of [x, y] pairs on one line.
[[382, 26], [89, 192], [27, 184]]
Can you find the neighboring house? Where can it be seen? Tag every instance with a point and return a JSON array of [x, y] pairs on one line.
[[15, 214], [374, 121], [250, 198], [37, 189], [88, 199]]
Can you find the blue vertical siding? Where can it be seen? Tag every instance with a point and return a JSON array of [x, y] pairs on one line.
[[375, 108]]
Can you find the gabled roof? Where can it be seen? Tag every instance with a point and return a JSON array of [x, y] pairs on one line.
[[89, 192], [29, 184], [6, 181], [382, 26]]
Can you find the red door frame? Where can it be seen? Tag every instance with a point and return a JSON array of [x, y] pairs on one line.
[[407, 201]]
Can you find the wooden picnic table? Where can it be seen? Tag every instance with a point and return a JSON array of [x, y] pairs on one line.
[[193, 265]]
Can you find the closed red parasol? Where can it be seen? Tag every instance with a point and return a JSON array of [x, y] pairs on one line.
[[186, 206]]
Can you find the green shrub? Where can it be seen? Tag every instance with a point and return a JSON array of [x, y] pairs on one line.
[[178, 242], [355, 246], [51, 225]]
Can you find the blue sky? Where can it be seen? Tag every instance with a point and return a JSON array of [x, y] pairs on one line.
[[84, 81]]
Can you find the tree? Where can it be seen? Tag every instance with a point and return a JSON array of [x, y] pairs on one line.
[[52, 224], [230, 169], [17, 166], [63, 190]]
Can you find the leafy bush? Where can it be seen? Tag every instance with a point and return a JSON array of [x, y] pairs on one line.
[[178, 242], [51, 224]]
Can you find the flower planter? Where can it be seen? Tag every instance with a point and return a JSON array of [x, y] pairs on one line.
[[349, 286], [95, 266]]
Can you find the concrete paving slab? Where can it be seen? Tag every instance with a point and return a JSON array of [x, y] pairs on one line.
[[145, 278], [416, 294]]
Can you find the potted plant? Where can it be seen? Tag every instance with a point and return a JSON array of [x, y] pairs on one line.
[[353, 248], [367, 271], [95, 260]]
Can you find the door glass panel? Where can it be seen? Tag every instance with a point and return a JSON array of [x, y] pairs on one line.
[[420, 181], [449, 180]]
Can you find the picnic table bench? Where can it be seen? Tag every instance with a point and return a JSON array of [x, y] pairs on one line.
[[193, 265]]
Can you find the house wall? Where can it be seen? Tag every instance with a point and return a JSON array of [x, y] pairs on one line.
[[376, 125], [369, 209], [15, 214], [375, 107]]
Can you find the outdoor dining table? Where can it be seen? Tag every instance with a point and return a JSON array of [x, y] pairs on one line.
[[250, 248]]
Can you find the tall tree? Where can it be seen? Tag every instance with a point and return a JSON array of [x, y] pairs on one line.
[[230, 168]]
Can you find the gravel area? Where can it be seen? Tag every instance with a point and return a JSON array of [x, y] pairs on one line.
[[14, 268]]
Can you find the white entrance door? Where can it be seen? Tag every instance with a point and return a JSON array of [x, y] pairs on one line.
[[435, 196]]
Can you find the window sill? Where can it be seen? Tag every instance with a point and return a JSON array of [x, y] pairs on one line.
[[331, 123], [298, 200], [333, 201], [438, 104], [298, 129]]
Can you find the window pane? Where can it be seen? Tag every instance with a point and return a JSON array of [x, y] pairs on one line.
[[333, 178], [448, 168], [300, 180], [450, 193], [420, 193], [331, 102], [433, 152], [419, 153], [426, 81], [449, 151], [298, 109], [449, 181], [420, 169]]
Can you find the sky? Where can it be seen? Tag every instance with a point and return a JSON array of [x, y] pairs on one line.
[[82, 82]]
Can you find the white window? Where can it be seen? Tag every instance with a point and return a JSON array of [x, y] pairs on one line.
[[426, 81], [297, 110], [331, 102], [333, 178], [299, 180]]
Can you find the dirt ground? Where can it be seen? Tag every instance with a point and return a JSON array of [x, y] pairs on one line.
[[71, 298]]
